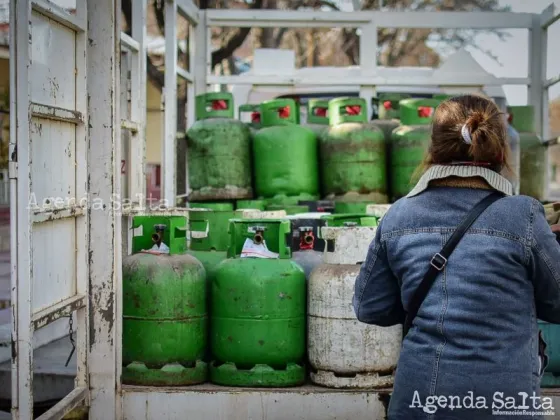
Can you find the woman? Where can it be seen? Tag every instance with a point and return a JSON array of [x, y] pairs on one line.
[[475, 336]]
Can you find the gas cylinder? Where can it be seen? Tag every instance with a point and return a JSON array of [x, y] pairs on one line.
[[285, 155], [306, 244], [388, 120], [346, 207], [353, 153], [208, 224], [388, 112], [410, 142], [317, 119], [514, 146], [164, 316], [344, 352], [551, 335], [318, 206], [532, 170], [515, 154], [290, 208], [258, 309], [250, 114], [377, 210], [250, 204], [340, 220], [219, 151]]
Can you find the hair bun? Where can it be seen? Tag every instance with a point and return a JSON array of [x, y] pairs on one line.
[[475, 120]]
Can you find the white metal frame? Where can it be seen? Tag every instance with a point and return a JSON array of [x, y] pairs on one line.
[[34, 113], [133, 107], [369, 21], [187, 10], [105, 225]]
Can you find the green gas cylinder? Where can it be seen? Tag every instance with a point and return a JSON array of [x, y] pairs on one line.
[[219, 151], [250, 114], [164, 315], [208, 225], [317, 119], [388, 111], [258, 309], [353, 153], [357, 219], [250, 204], [551, 335], [290, 209], [515, 154], [410, 142], [532, 170], [285, 155], [346, 207], [443, 96]]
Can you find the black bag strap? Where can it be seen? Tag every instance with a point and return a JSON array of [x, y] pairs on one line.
[[439, 260]]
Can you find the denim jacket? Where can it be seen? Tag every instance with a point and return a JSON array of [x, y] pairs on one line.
[[476, 332]]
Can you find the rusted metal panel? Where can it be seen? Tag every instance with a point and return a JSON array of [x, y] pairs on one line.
[[54, 262], [213, 402], [62, 309], [66, 405], [21, 343], [56, 113], [58, 14], [49, 215], [104, 228], [49, 47]]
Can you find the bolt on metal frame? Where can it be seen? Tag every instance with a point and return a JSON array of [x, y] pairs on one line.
[[187, 10]]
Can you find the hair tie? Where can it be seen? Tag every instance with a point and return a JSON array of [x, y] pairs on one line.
[[466, 134]]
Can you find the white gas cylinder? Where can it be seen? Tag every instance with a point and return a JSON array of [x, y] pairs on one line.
[[344, 352], [377, 210]]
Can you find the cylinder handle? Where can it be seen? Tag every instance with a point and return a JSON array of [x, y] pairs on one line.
[[284, 112], [217, 105], [200, 234], [320, 111], [425, 111], [353, 109], [255, 117]]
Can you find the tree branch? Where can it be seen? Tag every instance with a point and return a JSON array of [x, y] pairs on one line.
[[235, 41]]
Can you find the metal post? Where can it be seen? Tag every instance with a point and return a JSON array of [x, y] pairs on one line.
[[368, 62], [138, 103], [22, 347], [168, 161], [104, 228], [202, 63], [537, 72]]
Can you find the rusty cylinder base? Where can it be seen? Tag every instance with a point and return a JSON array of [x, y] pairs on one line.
[[369, 380]]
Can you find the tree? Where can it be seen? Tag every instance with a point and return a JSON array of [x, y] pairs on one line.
[[317, 46], [231, 40], [397, 46]]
